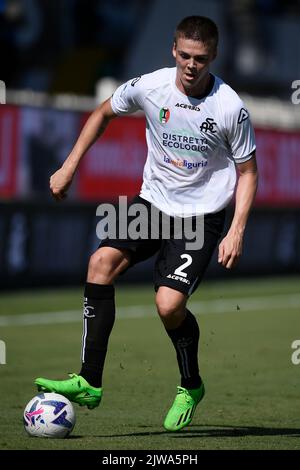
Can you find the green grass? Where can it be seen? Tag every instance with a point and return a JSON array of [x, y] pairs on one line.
[[252, 399]]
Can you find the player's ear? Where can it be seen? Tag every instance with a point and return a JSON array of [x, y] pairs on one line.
[[174, 50]]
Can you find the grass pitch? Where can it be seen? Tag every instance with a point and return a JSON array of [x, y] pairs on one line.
[[252, 386]]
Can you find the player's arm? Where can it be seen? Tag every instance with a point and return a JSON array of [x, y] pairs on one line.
[[230, 248], [61, 180]]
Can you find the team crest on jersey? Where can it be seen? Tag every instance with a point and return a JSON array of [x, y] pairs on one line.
[[208, 126], [164, 115]]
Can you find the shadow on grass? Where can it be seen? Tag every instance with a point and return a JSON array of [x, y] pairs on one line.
[[215, 430]]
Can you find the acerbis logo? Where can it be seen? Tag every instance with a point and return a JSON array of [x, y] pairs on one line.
[[243, 115], [135, 80], [164, 115], [178, 278], [208, 126], [187, 106]]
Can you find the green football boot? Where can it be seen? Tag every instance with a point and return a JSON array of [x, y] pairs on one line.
[[76, 389], [183, 408]]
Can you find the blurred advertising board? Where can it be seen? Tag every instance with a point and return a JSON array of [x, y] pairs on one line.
[[113, 166], [9, 150], [278, 154], [45, 243], [47, 135], [35, 141]]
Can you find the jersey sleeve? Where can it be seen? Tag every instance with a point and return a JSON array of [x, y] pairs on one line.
[[240, 133], [128, 98]]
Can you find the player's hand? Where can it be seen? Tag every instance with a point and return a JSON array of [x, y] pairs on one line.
[[230, 249], [60, 182]]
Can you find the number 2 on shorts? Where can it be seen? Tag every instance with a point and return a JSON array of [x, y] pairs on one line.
[[179, 271]]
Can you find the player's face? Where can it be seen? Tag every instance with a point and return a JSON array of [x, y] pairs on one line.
[[192, 62]]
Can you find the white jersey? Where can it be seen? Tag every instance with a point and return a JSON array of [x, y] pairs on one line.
[[193, 143]]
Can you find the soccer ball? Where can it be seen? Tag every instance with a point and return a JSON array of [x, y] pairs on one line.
[[49, 415]]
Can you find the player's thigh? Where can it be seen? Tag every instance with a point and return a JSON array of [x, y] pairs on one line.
[[182, 268], [139, 243]]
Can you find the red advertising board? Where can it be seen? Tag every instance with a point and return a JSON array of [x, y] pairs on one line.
[[114, 165], [278, 156], [9, 150]]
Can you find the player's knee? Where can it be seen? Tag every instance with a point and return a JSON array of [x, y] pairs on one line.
[[169, 306], [99, 265], [104, 266]]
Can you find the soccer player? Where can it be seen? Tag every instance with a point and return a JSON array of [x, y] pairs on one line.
[[199, 137]]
